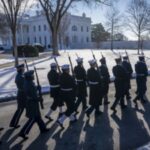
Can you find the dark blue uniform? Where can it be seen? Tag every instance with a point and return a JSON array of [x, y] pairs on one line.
[[32, 107], [81, 90], [105, 82], [120, 85], [67, 87], [54, 77], [94, 80], [21, 100], [129, 72], [141, 79]]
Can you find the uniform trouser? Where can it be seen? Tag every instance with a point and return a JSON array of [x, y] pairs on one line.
[[16, 117], [117, 100], [28, 125], [56, 103], [79, 100], [92, 108], [140, 96], [70, 107], [141, 89]]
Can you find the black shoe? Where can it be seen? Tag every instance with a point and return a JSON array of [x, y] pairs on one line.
[[85, 107], [45, 130], [23, 136], [60, 124], [49, 118], [88, 115], [114, 110], [106, 103], [1, 129], [0, 142], [73, 121]]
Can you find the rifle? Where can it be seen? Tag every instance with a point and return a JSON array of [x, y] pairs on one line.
[[71, 64], [96, 63], [127, 55], [120, 56], [77, 55], [57, 65], [39, 89], [102, 55], [95, 59], [25, 62]]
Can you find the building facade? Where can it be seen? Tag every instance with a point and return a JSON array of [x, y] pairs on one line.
[[75, 32]]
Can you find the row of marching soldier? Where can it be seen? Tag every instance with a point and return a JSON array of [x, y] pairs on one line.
[[71, 90]]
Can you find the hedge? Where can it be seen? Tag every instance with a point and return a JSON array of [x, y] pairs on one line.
[[27, 51]]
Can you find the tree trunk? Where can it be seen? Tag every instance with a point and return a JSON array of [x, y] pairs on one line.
[[112, 37], [55, 42], [139, 43], [15, 48]]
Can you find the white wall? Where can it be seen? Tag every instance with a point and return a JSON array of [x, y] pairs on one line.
[[121, 45]]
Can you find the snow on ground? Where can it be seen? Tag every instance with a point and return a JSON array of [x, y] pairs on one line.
[[7, 75], [4, 61], [10, 58]]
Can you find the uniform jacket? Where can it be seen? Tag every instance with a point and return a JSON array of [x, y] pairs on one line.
[[121, 78], [32, 105], [19, 80], [80, 75], [53, 78], [94, 80]]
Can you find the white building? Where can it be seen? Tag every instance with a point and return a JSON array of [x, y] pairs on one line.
[[76, 33]]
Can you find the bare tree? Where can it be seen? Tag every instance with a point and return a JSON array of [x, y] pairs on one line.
[[55, 10], [13, 9], [64, 25], [138, 19], [113, 23]]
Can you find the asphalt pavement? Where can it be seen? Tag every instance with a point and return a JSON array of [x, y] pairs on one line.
[[127, 130]]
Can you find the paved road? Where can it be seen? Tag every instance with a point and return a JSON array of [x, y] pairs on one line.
[[127, 130]]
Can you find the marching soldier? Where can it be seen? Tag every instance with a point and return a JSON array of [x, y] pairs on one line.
[[105, 80], [120, 83], [21, 101], [129, 72], [54, 77], [141, 79], [80, 75], [94, 80], [32, 106], [67, 86]]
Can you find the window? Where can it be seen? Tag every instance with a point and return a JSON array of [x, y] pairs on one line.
[[74, 39], [87, 29], [28, 40], [34, 28], [74, 28], [39, 28], [87, 39], [45, 40], [34, 39], [27, 29], [40, 40], [45, 28], [81, 28]]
